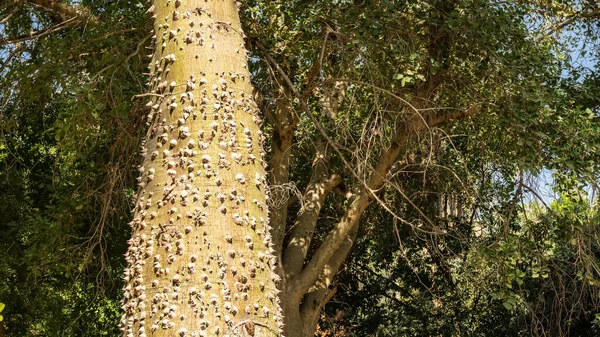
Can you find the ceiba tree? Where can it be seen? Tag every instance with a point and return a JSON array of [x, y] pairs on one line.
[[201, 260]]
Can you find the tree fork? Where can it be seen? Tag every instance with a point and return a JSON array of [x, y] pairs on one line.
[[201, 260]]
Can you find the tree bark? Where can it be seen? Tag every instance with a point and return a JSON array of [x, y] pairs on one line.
[[201, 260], [284, 125]]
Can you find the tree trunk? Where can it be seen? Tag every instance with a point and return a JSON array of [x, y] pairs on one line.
[[200, 260]]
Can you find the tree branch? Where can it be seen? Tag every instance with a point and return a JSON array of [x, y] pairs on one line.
[[36, 35], [316, 192], [336, 237], [349, 220], [14, 11], [71, 16], [322, 291], [593, 14], [284, 126], [13, 53], [81, 14], [311, 82]]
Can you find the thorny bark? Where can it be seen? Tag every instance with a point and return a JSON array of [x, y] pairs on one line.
[[201, 261]]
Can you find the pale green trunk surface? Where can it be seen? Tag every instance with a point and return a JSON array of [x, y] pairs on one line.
[[200, 260]]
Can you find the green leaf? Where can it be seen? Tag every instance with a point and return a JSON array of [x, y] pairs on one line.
[[406, 80]]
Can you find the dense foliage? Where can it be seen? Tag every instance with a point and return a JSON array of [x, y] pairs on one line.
[[70, 132], [462, 241]]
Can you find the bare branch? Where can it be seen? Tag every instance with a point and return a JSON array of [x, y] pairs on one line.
[[107, 35], [311, 82], [36, 35], [14, 11]]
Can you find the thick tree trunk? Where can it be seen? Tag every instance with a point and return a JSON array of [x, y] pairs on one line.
[[294, 326], [201, 261]]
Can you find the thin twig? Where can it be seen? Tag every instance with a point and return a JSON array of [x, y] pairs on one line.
[[107, 35], [336, 148], [147, 94], [311, 80], [10, 14], [38, 34]]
